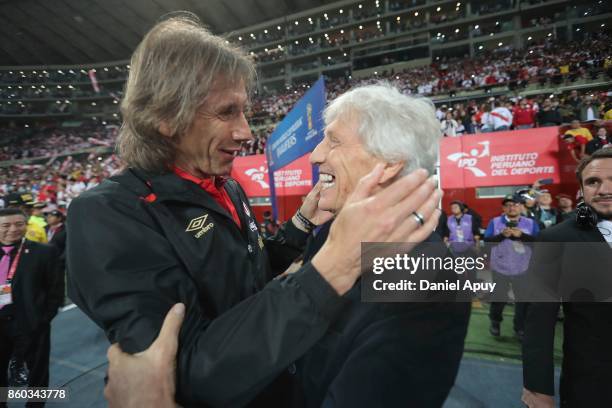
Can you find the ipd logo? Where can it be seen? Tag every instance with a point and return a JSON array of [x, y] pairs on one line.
[[469, 161]]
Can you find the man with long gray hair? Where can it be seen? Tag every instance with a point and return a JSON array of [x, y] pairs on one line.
[[172, 228]]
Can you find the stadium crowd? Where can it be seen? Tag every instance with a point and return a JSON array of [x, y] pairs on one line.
[[57, 181], [51, 141], [548, 64]]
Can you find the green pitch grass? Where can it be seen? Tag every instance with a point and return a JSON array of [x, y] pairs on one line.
[[480, 344]]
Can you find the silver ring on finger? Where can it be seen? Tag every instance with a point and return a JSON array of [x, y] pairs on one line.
[[418, 217]]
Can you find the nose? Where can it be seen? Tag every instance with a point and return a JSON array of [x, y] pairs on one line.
[[242, 131], [318, 154]]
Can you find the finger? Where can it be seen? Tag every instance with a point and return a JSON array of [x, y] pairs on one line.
[[167, 340], [314, 193], [423, 232], [411, 202], [366, 184], [404, 187], [411, 230]]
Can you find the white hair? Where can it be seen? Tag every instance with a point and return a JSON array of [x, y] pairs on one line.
[[392, 126]]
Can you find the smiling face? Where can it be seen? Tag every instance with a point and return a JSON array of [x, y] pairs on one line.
[[215, 136], [597, 186], [12, 228], [342, 160]]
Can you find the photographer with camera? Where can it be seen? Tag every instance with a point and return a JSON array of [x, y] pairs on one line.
[[509, 260]]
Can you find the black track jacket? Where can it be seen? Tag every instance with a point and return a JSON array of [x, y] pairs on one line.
[[138, 243]]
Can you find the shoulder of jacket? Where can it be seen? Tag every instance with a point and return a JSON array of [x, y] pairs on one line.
[[112, 191], [38, 246], [560, 232]]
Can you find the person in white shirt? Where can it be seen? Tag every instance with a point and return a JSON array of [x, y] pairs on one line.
[[486, 120], [501, 117], [449, 125]]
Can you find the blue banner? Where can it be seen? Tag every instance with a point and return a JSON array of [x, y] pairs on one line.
[[297, 134]]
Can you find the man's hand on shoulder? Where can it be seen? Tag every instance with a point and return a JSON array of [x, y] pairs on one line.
[[146, 379]]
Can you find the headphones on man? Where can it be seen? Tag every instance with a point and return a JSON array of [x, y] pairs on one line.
[[586, 216]]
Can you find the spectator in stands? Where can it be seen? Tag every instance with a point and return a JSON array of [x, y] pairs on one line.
[[486, 120], [575, 145], [589, 110], [501, 116], [565, 204], [545, 214], [608, 111], [524, 115], [547, 115], [601, 140], [449, 125], [574, 102], [36, 214], [577, 130], [509, 261], [56, 233], [527, 202]]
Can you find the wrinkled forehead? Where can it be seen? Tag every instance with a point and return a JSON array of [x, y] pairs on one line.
[[226, 90]]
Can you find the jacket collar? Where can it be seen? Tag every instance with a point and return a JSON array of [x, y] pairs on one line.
[[170, 187], [587, 234]]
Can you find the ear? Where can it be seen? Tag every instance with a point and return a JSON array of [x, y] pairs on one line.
[[164, 129], [391, 171]]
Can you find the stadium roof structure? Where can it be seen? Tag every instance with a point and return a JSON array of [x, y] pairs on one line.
[[43, 32]]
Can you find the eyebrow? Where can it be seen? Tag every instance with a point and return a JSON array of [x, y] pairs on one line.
[[592, 178]]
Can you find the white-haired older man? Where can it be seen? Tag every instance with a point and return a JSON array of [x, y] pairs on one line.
[[375, 354], [379, 354]]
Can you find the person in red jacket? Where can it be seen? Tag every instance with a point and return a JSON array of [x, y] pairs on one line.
[[524, 116]]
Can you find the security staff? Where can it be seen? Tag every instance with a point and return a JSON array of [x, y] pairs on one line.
[[172, 228], [463, 229], [31, 291], [587, 327], [509, 261]]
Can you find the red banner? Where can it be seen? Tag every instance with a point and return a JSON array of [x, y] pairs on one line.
[[511, 158], [252, 174]]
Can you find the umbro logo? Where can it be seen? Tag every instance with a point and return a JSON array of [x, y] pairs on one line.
[[199, 224]]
